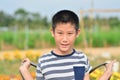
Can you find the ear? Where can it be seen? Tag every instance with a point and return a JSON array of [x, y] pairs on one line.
[[52, 32], [78, 32]]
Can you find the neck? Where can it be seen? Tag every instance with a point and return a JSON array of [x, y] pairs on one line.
[[59, 52]]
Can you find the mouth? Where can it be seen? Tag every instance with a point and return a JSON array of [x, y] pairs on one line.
[[64, 45]]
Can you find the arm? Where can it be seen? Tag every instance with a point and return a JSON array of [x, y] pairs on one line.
[[87, 77], [107, 74], [24, 69]]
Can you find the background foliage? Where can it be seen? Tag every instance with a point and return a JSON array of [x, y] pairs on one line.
[[26, 30]]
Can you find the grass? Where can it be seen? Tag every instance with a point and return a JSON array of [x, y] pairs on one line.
[[11, 67], [43, 39]]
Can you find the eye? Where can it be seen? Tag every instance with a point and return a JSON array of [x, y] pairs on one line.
[[60, 33], [70, 33]]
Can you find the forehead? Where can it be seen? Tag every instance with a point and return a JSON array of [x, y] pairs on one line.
[[65, 26]]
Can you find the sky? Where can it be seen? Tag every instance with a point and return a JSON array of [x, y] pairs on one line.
[[50, 7]]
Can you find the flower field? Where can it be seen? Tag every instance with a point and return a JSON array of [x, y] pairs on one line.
[[10, 62]]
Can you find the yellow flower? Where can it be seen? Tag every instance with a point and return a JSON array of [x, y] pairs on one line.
[[7, 56], [1, 57], [18, 55], [33, 55], [115, 76], [96, 74]]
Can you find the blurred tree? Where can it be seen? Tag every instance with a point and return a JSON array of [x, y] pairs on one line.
[[36, 20], [33, 20], [5, 19], [86, 21], [45, 22], [21, 17], [114, 22]]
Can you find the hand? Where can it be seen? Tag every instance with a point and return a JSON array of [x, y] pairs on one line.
[[109, 66], [107, 74], [25, 64]]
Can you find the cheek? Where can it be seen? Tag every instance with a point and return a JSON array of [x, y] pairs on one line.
[[72, 39], [56, 38], [73, 36]]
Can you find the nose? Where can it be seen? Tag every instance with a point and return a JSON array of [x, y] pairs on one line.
[[65, 38]]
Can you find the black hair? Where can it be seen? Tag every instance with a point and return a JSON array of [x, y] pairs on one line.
[[65, 16]]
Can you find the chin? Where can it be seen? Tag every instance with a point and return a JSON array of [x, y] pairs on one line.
[[64, 49]]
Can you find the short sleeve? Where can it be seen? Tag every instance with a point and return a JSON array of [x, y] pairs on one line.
[[88, 67], [39, 75]]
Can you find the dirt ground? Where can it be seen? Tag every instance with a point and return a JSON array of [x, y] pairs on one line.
[[93, 51], [99, 51]]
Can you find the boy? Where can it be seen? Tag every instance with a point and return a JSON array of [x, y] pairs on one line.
[[62, 62]]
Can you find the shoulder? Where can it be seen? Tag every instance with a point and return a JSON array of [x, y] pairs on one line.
[[48, 54], [45, 56], [80, 53]]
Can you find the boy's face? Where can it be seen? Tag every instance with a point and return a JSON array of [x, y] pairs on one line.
[[65, 35]]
